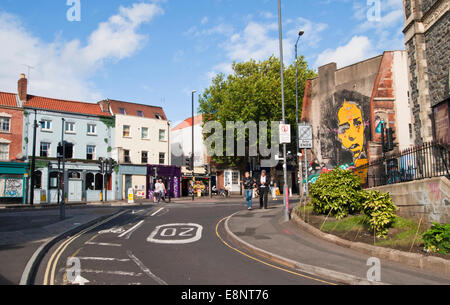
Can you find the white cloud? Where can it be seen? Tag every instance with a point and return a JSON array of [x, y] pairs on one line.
[[62, 69], [359, 48]]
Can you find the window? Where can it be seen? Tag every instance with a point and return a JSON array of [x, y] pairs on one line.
[[91, 129], [126, 156], [159, 117], [162, 158], [122, 111], [98, 182], [162, 135], [37, 179], [54, 180], [5, 124], [70, 127], [140, 113], [4, 151], [90, 152], [46, 125], [144, 159], [144, 133], [126, 131], [90, 178], [45, 150]]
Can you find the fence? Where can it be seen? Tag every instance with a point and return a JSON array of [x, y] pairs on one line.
[[420, 162]]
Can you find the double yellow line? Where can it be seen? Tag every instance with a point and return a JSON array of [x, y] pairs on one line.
[[263, 262], [49, 276]]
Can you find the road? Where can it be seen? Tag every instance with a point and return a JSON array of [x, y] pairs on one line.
[[167, 244]]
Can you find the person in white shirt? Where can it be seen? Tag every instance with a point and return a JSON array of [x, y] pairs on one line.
[[264, 185], [160, 191]]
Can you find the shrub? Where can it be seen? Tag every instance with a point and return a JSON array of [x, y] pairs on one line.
[[437, 238], [381, 211], [337, 192]]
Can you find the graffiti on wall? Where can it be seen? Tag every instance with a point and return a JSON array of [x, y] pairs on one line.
[[346, 130]]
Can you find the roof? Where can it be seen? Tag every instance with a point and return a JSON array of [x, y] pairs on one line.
[[188, 123], [131, 109], [8, 99], [52, 104]]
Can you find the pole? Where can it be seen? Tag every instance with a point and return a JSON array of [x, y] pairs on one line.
[[306, 175], [280, 34], [192, 156], [62, 211], [296, 120], [33, 161]]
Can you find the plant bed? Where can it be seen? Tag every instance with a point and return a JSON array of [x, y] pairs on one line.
[[355, 228]]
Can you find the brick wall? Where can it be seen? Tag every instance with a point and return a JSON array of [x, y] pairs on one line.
[[15, 134]]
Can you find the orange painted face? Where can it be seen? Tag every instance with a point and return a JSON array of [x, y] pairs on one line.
[[351, 128]]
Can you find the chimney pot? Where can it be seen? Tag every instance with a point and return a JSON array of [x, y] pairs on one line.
[[22, 88]]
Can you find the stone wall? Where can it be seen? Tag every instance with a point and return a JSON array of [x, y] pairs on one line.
[[408, 8], [428, 199], [438, 53], [427, 4]]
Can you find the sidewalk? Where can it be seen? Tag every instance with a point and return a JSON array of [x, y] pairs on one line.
[[264, 233], [22, 232]]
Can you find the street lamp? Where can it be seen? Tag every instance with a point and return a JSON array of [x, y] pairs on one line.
[[300, 34], [285, 192], [192, 155]]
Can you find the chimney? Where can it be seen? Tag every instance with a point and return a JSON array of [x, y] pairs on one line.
[[22, 88]]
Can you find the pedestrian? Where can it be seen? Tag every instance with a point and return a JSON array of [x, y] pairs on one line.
[[248, 184], [255, 188], [263, 184], [273, 188], [160, 190]]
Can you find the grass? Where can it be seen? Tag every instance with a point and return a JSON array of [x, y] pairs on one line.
[[350, 223], [404, 234]]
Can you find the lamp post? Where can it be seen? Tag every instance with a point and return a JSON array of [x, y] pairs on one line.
[[33, 161], [300, 34], [192, 155], [285, 192]]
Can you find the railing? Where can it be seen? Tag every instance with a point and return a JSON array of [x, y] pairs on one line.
[[425, 161]]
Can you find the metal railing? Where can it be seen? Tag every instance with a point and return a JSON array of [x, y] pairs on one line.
[[425, 161]]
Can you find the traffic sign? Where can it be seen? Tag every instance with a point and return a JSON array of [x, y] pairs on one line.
[[308, 144], [285, 134], [305, 132]]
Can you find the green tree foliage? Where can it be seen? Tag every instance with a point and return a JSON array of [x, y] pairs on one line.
[[337, 193], [253, 93], [437, 238]]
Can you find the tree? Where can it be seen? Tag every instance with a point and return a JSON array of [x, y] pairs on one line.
[[253, 93]]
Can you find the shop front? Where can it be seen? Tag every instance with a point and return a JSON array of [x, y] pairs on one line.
[[171, 176], [13, 182]]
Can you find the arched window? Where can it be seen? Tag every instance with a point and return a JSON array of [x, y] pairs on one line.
[[74, 175], [90, 181], [98, 182], [37, 179], [53, 180]]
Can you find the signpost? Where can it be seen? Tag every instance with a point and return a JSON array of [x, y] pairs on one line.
[[285, 134], [305, 136]]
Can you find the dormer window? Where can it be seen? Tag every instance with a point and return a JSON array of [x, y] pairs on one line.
[[122, 111], [158, 116], [140, 114]]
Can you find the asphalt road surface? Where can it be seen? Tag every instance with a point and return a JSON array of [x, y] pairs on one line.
[[166, 244]]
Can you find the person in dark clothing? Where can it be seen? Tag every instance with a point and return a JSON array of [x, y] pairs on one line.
[[248, 184], [263, 184]]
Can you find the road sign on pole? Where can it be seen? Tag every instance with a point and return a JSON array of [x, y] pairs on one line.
[[305, 136], [285, 134]]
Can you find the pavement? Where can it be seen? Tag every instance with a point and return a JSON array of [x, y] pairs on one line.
[[265, 233], [23, 231]]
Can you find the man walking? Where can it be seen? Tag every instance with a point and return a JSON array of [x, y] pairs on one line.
[[248, 189], [263, 184], [160, 190]]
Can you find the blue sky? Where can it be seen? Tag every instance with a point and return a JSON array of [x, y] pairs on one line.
[[156, 52]]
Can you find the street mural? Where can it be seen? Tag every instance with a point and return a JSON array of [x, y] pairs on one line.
[[346, 130]]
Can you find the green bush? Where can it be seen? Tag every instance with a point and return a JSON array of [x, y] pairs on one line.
[[437, 238], [381, 211], [337, 192]]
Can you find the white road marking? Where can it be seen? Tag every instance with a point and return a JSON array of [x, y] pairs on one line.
[[131, 230], [157, 212], [175, 231], [80, 281], [114, 230], [124, 273], [145, 269], [103, 244], [110, 259]]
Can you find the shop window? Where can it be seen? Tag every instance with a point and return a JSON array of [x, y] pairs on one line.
[[90, 179], [98, 182], [37, 179]]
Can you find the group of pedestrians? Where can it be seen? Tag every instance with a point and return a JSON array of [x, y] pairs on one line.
[[263, 186]]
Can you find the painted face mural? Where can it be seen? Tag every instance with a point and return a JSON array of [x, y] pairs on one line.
[[351, 128]]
